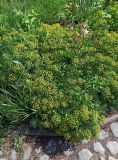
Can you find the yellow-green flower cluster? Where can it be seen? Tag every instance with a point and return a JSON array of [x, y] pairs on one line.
[[58, 83]]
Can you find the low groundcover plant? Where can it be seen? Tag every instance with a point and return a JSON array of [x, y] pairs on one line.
[[55, 78]]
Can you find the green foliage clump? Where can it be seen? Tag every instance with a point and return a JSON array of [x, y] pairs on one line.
[[57, 79], [28, 14]]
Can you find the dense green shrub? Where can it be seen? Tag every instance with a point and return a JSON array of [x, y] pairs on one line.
[[100, 66], [112, 14], [57, 79], [104, 18]]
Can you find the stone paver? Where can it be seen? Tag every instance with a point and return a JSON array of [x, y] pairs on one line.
[[111, 158], [99, 148], [68, 153], [101, 158], [112, 118], [113, 147], [114, 128], [38, 150], [85, 154], [0, 153], [44, 157], [103, 134], [13, 155], [27, 153]]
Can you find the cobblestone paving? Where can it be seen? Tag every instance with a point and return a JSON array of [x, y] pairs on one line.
[[105, 147]]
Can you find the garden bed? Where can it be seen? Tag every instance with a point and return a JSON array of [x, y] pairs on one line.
[[58, 68]]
